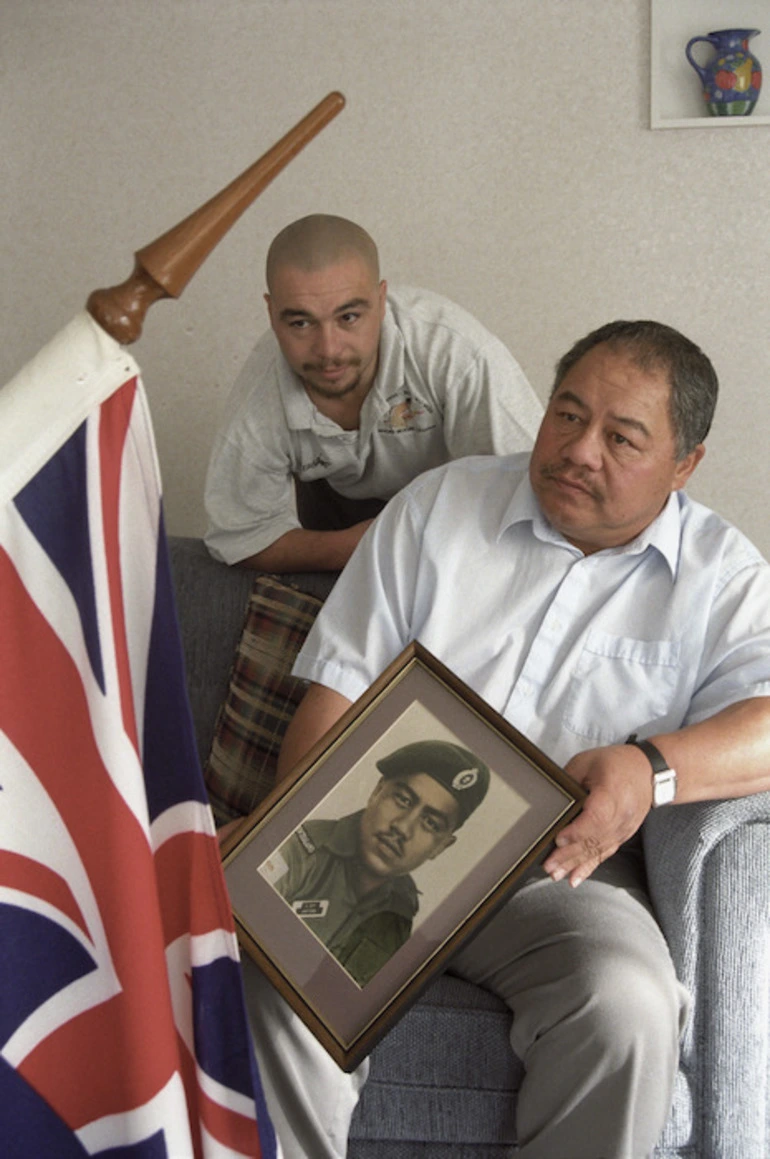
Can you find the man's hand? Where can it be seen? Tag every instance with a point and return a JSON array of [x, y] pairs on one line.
[[727, 755], [619, 785]]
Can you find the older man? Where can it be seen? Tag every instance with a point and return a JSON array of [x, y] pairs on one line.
[[626, 630], [354, 392]]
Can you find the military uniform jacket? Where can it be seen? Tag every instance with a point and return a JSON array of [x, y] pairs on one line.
[[317, 872]]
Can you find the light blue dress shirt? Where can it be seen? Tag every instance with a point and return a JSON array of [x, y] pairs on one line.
[[575, 651]]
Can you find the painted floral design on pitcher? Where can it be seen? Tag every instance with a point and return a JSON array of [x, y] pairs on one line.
[[732, 79]]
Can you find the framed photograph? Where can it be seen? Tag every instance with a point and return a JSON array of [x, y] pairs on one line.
[[401, 832]]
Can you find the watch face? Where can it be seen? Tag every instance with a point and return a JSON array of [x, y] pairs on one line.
[[664, 787]]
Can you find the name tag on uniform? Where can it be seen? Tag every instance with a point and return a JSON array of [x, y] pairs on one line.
[[311, 908]]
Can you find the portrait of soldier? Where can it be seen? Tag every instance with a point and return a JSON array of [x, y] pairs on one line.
[[350, 879]]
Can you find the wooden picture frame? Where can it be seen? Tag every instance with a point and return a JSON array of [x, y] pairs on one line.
[[527, 800]]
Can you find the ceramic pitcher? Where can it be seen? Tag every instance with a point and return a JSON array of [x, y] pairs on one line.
[[732, 79]]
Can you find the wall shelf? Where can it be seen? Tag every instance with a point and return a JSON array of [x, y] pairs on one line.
[[675, 93]]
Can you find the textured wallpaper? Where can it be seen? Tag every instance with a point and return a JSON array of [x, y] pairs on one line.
[[498, 150]]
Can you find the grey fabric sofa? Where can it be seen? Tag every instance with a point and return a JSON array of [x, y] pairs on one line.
[[444, 1081]]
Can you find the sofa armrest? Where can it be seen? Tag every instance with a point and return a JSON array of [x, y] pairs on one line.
[[708, 867]]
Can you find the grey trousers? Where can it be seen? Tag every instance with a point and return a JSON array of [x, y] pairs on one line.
[[597, 1015]]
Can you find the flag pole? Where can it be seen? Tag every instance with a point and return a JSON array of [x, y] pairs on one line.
[[163, 268]]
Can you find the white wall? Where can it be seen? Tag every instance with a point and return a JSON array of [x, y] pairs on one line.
[[498, 150]]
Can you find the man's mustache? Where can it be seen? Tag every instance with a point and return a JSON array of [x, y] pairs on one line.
[[394, 840], [331, 364], [579, 478]]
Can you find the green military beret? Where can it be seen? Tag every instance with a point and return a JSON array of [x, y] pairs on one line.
[[461, 772]]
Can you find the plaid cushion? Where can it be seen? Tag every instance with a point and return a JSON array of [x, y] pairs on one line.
[[261, 698]]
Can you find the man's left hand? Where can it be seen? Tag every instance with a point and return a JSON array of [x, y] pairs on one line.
[[619, 786]]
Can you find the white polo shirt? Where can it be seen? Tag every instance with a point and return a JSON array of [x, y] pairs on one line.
[[575, 651], [445, 387]]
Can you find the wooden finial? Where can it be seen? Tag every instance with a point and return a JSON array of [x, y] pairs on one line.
[[164, 267]]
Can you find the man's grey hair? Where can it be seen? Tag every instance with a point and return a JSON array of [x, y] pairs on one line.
[[652, 346]]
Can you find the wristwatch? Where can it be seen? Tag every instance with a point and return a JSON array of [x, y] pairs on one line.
[[663, 777]]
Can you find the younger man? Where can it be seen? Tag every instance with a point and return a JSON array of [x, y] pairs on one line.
[[354, 392]]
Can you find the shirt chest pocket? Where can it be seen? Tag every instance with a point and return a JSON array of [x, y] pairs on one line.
[[619, 684]]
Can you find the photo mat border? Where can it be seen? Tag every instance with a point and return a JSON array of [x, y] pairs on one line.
[[348, 1019]]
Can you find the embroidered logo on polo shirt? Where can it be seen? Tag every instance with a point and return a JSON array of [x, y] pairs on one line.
[[408, 414], [319, 463]]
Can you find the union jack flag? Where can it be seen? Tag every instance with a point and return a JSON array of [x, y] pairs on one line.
[[123, 1031]]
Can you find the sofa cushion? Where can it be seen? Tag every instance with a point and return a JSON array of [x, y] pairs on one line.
[[261, 697]]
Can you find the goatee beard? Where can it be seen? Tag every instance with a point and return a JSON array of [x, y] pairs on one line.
[[329, 392]]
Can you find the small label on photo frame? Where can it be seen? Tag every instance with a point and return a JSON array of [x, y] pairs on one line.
[[274, 868]]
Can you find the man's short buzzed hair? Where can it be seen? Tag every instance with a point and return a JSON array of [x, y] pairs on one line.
[[317, 241]]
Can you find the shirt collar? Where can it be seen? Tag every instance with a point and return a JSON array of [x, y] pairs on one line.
[[301, 414], [343, 838], [390, 368], [663, 534]]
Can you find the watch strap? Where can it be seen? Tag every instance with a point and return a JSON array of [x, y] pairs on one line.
[[663, 776], [653, 754]]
